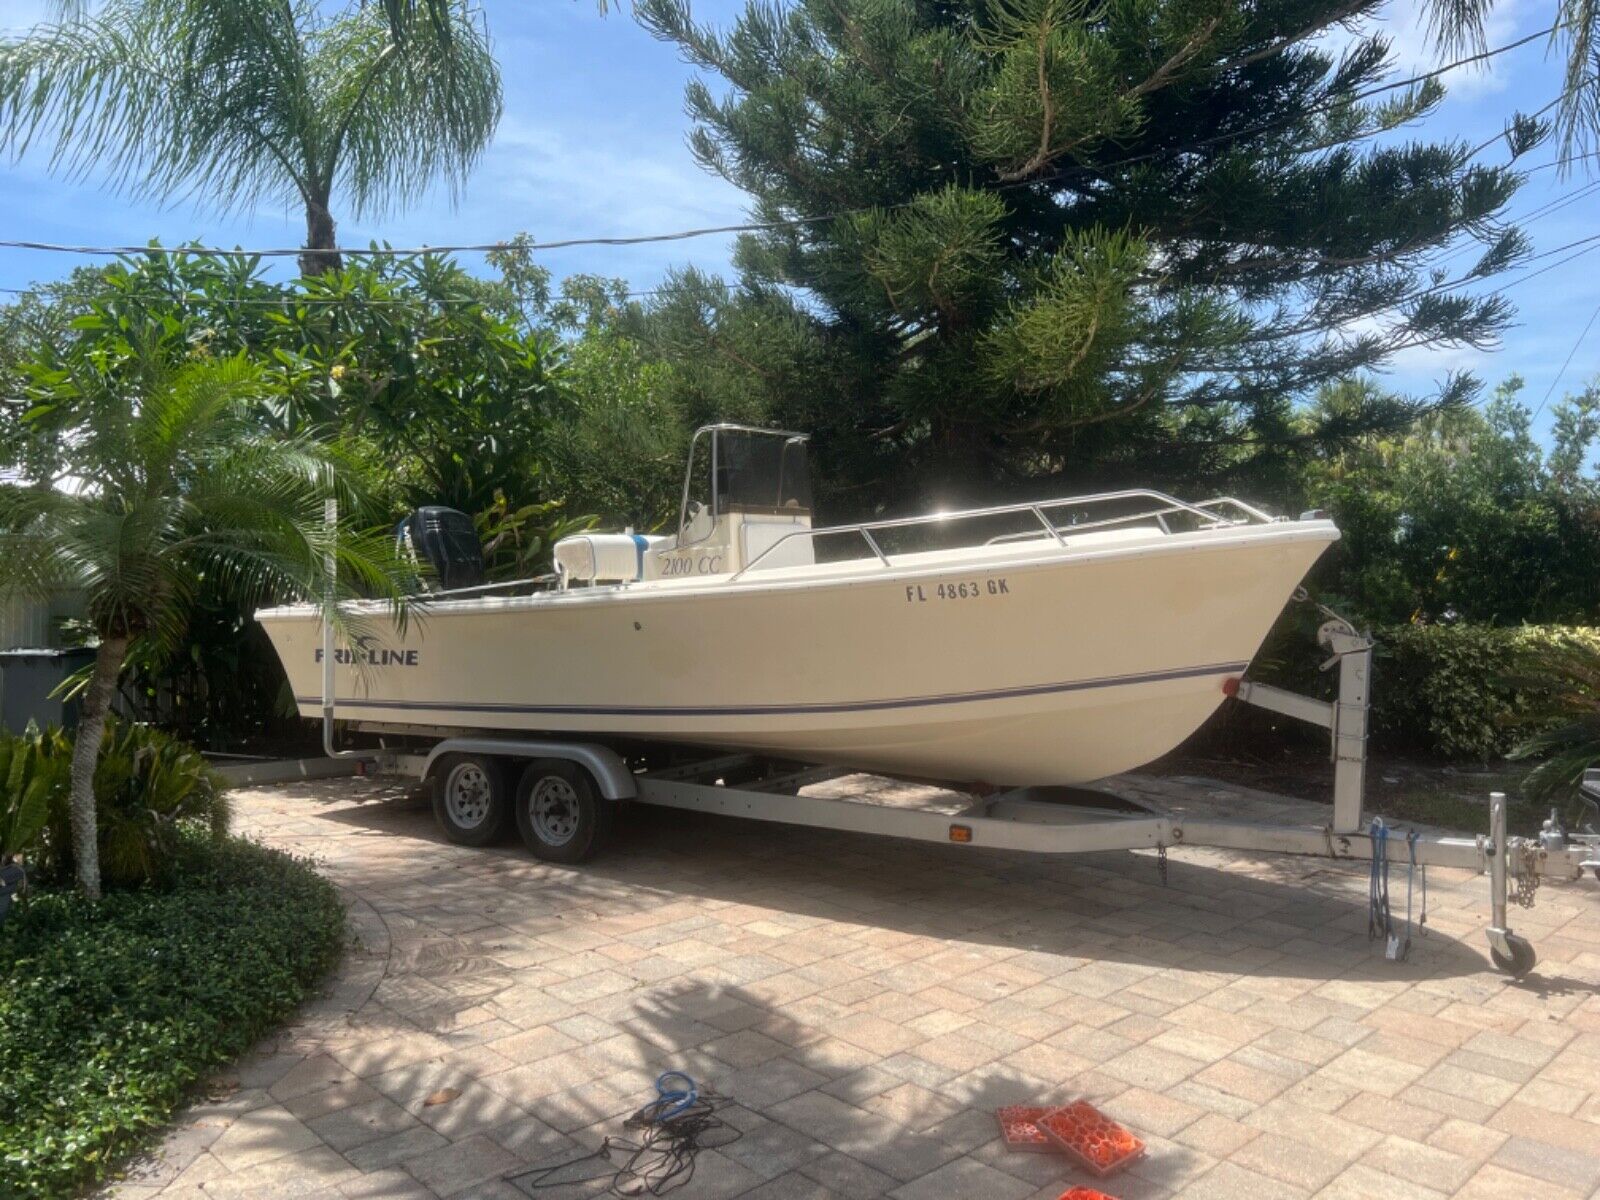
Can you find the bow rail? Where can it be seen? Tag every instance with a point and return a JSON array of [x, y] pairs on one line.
[[1208, 514]]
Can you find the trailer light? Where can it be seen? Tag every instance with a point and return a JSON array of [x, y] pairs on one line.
[[1230, 686], [961, 833]]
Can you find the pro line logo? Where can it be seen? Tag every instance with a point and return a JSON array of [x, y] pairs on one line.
[[367, 655]]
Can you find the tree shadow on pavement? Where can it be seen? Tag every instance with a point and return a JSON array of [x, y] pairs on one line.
[[812, 1115]]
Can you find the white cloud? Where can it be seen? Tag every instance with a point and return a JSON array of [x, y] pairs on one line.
[[1414, 52], [607, 181], [588, 178]]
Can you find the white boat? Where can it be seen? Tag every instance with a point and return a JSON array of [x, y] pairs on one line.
[[1046, 643]]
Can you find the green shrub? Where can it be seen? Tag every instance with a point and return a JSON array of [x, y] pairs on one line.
[[111, 1011], [1464, 691], [31, 778], [1562, 733], [148, 786]]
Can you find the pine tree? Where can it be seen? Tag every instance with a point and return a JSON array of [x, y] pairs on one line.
[[1020, 239]]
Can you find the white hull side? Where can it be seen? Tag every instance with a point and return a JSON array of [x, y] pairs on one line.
[[1047, 665]]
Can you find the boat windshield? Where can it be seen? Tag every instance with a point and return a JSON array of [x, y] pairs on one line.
[[735, 468], [761, 473]]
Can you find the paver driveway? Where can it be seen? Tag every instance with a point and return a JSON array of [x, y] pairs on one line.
[[868, 1003]]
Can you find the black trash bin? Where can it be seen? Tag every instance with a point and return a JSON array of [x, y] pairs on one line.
[[27, 677]]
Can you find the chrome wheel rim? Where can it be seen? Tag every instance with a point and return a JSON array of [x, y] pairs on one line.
[[466, 795], [553, 809]]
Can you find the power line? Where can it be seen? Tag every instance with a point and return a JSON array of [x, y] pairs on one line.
[[793, 222], [295, 300], [1544, 210], [1560, 202], [1562, 162], [1550, 391]]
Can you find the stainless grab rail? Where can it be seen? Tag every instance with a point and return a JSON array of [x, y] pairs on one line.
[[479, 588], [1167, 505]]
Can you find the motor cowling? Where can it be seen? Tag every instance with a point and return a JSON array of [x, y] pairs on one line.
[[446, 540]]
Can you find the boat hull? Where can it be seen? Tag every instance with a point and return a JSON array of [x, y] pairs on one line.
[[1033, 664]]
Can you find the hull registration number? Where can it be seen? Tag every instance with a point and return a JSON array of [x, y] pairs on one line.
[[923, 593]]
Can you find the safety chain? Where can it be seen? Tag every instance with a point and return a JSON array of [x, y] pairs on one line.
[[1527, 876]]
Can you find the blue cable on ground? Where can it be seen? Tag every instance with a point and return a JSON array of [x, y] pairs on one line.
[[673, 1100], [670, 1131]]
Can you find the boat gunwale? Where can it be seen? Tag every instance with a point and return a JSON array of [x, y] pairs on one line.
[[860, 572]]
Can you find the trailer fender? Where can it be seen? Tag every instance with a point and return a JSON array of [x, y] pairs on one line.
[[605, 766]]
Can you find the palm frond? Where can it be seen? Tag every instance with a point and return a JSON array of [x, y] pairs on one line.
[[139, 94], [402, 115], [202, 408], [1563, 721], [32, 524], [256, 99], [1457, 27]]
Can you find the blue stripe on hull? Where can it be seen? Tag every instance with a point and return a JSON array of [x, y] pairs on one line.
[[761, 710]]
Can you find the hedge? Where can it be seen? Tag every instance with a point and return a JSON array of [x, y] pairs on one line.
[[110, 1012], [1461, 691]]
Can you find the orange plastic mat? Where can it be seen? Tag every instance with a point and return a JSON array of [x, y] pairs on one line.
[[1098, 1143], [1019, 1127]]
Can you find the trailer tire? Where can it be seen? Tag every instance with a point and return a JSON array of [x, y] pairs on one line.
[[471, 799], [560, 815]]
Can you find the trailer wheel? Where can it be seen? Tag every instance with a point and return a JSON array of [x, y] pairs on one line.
[[559, 814], [471, 800]]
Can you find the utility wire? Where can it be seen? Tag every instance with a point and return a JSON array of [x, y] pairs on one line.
[[297, 299], [793, 222], [1550, 391]]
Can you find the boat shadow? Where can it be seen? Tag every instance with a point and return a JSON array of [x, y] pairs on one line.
[[1268, 916]]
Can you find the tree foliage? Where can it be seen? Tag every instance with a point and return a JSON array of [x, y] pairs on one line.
[[1017, 239], [163, 481], [1466, 517]]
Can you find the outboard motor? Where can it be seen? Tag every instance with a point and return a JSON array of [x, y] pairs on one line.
[[445, 539]]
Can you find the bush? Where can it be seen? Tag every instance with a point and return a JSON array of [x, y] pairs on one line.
[[148, 786], [1564, 724], [1464, 691], [111, 1011], [1467, 517], [31, 780]]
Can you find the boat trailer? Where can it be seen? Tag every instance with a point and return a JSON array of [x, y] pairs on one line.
[[1036, 819]]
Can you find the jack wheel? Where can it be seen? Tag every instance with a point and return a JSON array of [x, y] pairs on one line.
[[1522, 956], [559, 814]]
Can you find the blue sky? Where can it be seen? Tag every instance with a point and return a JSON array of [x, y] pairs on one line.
[[592, 143]]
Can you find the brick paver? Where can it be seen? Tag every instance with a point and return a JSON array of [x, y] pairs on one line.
[[867, 1003]]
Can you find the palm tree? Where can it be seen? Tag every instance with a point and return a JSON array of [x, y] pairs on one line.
[[166, 480], [258, 100]]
